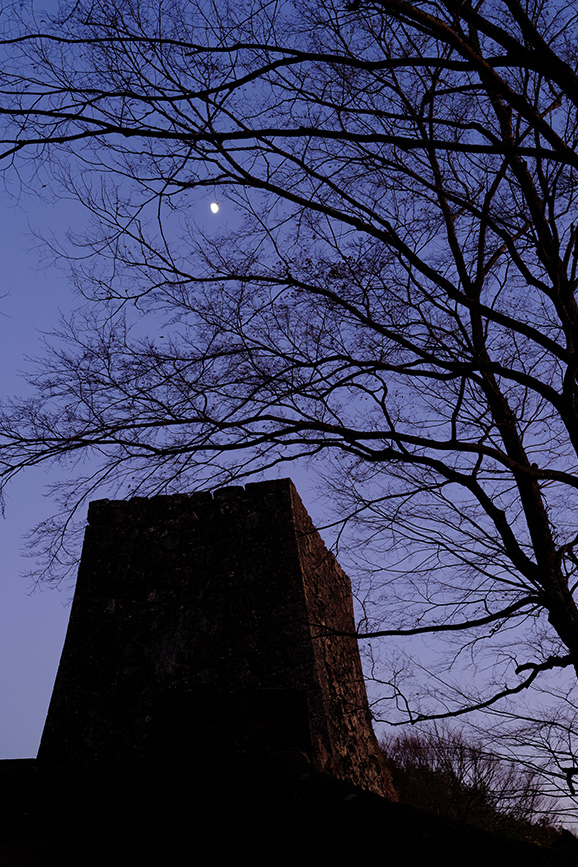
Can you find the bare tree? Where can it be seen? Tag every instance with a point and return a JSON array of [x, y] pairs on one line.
[[444, 772], [393, 292]]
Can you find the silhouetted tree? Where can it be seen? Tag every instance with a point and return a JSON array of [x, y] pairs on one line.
[[392, 289], [444, 772]]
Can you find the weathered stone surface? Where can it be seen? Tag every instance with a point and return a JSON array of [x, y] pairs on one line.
[[202, 631]]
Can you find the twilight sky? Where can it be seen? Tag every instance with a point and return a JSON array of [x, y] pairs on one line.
[[32, 624], [33, 621]]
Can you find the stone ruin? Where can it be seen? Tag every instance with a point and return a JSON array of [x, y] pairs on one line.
[[210, 704], [214, 631]]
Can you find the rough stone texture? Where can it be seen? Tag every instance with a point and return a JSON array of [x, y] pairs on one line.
[[201, 632]]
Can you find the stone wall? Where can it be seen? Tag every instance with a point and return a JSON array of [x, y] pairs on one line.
[[203, 631]]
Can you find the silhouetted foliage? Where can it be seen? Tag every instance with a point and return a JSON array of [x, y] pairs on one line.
[[445, 773]]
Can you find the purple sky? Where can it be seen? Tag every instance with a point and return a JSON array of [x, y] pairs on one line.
[[33, 621], [32, 624]]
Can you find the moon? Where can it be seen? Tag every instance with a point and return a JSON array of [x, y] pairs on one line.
[[214, 208]]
